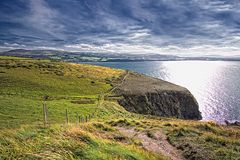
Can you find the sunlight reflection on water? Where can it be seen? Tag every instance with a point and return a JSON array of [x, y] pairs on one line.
[[215, 84], [198, 78]]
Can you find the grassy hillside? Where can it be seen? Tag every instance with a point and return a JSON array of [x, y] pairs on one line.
[[77, 87], [91, 141], [24, 83]]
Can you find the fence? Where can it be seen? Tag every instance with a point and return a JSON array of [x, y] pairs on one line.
[[79, 118]]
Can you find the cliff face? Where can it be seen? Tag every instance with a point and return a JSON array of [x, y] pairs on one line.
[[147, 95]]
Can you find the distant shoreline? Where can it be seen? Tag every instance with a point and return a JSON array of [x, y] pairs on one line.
[[108, 57], [160, 60]]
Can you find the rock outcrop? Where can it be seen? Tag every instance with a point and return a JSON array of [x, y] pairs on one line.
[[147, 95]]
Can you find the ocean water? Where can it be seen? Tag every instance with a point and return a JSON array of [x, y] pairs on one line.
[[215, 84]]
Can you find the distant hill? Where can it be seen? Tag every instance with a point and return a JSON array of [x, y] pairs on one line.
[[106, 57], [85, 57]]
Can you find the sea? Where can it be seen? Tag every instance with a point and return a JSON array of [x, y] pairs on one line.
[[215, 84]]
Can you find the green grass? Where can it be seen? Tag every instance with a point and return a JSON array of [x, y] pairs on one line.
[[13, 58], [24, 83], [85, 141], [196, 140], [38, 78], [76, 87]]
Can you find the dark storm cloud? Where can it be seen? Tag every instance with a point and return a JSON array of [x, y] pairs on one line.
[[119, 26]]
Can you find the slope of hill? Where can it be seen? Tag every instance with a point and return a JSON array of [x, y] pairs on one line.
[[68, 56], [85, 57], [110, 132], [24, 83]]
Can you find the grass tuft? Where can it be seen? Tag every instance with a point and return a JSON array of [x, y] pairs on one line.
[[76, 87]]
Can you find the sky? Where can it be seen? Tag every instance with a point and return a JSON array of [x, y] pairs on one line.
[[174, 27]]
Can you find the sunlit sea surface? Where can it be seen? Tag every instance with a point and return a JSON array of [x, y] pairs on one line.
[[215, 84]]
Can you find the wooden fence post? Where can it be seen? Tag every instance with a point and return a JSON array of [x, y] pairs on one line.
[[66, 116], [99, 98], [44, 116], [77, 118], [46, 111]]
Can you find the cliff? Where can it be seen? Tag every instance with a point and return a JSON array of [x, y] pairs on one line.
[[147, 95]]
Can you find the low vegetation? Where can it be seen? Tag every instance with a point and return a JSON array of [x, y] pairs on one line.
[[91, 141], [76, 87], [196, 140], [24, 83]]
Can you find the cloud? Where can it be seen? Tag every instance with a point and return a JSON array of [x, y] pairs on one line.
[[218, 6], [195, 27], [14, 45], [44, 18], [119, 48]]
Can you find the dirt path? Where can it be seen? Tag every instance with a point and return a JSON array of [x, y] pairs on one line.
[[122, 81], [158, 143], [101, 96]]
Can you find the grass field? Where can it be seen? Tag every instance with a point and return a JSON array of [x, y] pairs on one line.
[[76, 87], [24, 83]]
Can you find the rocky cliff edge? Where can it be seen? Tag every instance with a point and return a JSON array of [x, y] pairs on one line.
[[148, 95]]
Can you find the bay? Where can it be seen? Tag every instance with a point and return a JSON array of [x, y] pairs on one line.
[[215, 84]]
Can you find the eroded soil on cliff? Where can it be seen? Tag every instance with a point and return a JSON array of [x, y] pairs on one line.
[[154, 142], [147, 95]]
